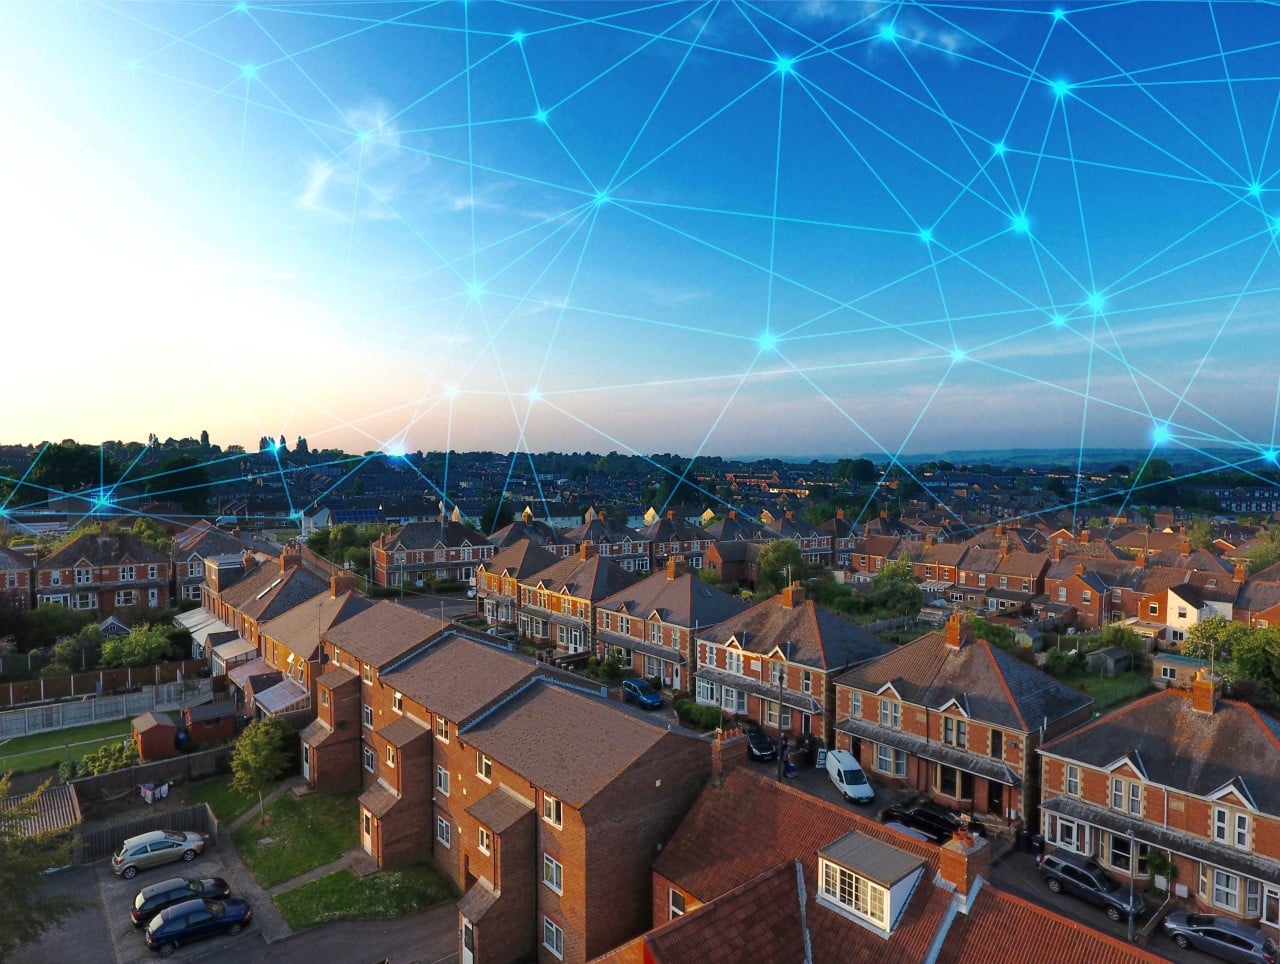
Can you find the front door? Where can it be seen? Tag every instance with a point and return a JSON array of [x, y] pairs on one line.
[[366, 831], [995, 798], [306, 762], [675, 677], [468, 942]]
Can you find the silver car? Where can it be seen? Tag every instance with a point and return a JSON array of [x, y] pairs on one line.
[[1220, 936], [154, 848]]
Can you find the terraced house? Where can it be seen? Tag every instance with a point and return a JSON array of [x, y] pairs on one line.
[[498, 580], [557, 604], [1184, 776], [15, 578], [445, 549], [104, 571], [956, 718]]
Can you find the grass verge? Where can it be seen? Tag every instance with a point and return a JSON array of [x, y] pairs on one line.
[[1109, 690], [40, 751], [227, 802], [344, 896], [301, 833]]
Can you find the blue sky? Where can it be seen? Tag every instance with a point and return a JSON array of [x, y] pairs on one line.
[[721, 228]]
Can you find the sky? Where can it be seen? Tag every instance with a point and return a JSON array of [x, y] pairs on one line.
[[792, 229]]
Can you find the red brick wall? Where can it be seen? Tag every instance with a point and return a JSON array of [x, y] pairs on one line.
[[511, 928]]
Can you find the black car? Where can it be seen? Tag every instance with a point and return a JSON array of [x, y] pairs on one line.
[[937, 824], [195, 919], [760, 745], [151, 900]]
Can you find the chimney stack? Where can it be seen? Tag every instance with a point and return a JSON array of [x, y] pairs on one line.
[[728, 750], [955, 631], [1205, 689], [1184, 546], [676, 567], [840, 514], [289, 558], [341, 582], [733, 514], [792, 595], [671, 514], [961, 861], [1084, 536], [586, 550], [1140, 560], [1239, 575]]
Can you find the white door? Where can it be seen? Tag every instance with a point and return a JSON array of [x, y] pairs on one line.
[[675, 677], [366, 831], [306, 762], [468, 942]]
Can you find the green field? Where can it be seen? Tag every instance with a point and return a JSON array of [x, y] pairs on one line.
[[344, 896], [42, 751], [1107, 691], [301, 833], [225, 800]]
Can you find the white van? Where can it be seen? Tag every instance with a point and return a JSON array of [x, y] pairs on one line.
[[846, 773]]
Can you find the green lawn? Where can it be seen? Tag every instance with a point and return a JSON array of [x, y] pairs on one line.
[[227, 802], [40, 751], [344, 896], [301, 833], [1107, 691]]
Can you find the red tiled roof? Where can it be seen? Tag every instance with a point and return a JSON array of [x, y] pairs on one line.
[[1008, 929]]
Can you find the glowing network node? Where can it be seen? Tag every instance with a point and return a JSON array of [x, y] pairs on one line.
[[998, 148], [1270, 455], [888, 33], [1160, 434], [534, 395], [1255, 189], [1096, 302], [601, 198], [1275, 225], [1020, 223], [784, 65], [518, 37], [767, 341], [242, 7], [926, 235], [540, 116], [450, 391], [958, 355], [475, 290], [1060, 88], [1058, 13], [1058, 320], [249, 71]]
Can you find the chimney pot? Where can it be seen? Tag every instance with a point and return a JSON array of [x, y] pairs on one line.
[[1205, 689], [962, 860]]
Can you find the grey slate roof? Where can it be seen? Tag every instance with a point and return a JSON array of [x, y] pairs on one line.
[[299, 629], [457, 677], [1183, 748], [684, 601], [594, 579], [499, 809], [806, 634], [990, 684]]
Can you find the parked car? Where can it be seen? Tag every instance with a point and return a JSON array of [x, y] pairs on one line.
[[1222, 937], [193, 920], [760, 745], [154, 848], [156, 897], [938, 824], [846, 773], [1067, 872], [642, 693]]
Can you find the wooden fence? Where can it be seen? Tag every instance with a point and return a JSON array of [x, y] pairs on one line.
[[61, 716], [96, 683], [93, 791], [98, 842]]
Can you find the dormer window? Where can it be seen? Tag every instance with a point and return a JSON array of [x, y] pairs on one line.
[[733, 661], [867, 880], [862, 896]]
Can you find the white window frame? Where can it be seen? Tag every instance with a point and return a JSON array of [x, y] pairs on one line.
[[674, 911], [484, 840], [733, 661], [370, 759], [891, 761], [853, 893], [397, 702], [553, 810], [442, 729], [444, 832], [442, 780], [391, 756], [1168, 672], [1071, 780], [484, 767], [890, 714], [366, 716], [855, 705], [553, 937], [552, 873]]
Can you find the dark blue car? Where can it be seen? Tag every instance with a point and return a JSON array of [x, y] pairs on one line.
[[642, 693], [195, 919]]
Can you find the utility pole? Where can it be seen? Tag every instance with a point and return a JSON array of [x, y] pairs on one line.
[[1133, 862]]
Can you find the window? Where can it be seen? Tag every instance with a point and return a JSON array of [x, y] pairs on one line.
[[366, 673], [954, 731], [55, 578], [484, 767], [1241, 831], [1168, 672], [997, 744], [1126, 795], [982, 579], [552, 810], [855, 706], [676, 903], [652, 666], [153, 572], [442, 729], [806, 682], [366, 715], [84, 577], [1086, 597], [735, 701], [552, 873], [195, 568], [397, 702], [776, 675], [1072, 783], [1182, 612], [484, 840], [955, 783], [442, 780], [891, 714], [444, 832], [1220, 887], [1271, 907], [624, 625], [367, 753], [891, 761], [655, 633], [1122, 855], [771, 716], [857, 894], [126, 573], [733, 661], [1062, 594], [391, 756], [1231, 828], [126, 597], [552, 937], [706, 691]]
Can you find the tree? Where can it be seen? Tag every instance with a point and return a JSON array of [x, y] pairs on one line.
[[1265, 552], [182, 478], [994, 633], [68, 466], [858, 471], [495, 515], [152, 533], [780, 562], [143, 646], [259, 758], [28, 910], [899, 570], [49, 621], [1200, 535]]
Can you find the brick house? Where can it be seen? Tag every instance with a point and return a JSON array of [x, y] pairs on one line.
[[1191, 776], [736, 563], [104, 570], [622, 546], [669, 536], [586, 794], [776, 663], [957, 719], [411, 554], [338, 751], [842, 535], [16, 572], [650, 626], [760, 871], [557, 605], [498, 580], [814, 544], [263, 591], [1258, 603], [541, 534], [191, 547]]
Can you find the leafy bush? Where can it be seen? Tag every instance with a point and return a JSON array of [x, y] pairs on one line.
[[698, 716], [610, 670], [109, 758], [1059, 662]]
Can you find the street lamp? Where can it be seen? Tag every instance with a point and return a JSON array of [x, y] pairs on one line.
[[1133, 857]]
